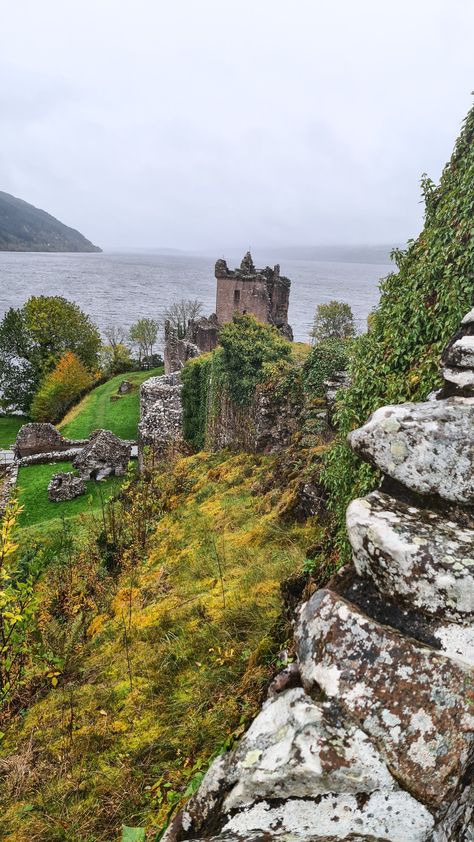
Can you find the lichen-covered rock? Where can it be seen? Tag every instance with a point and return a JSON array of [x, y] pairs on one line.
[[415, 554], [105, 455], [65, 486], [297, 752], [416, 704], [394, 817], [428, 447]]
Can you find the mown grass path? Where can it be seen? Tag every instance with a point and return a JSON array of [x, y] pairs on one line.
[[99, 410], [9, 426]]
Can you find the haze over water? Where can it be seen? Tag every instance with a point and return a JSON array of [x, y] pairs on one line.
[[119, 288]]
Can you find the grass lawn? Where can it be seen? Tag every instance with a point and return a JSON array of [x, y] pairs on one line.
[[9, 426], [33, 495], [98, 411]]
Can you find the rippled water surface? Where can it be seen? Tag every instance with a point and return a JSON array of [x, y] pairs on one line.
[[118, 288]]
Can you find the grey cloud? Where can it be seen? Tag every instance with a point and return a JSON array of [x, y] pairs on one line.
[[210, 124]]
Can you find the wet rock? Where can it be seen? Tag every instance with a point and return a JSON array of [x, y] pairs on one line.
[[415, 554], [65, 486], [413, 702], [105, 455], [428, 447]]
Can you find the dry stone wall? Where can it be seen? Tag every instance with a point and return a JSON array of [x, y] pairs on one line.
[[161, 415], [377, 741]]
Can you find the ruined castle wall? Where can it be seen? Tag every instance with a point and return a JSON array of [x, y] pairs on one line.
[[238, 295]]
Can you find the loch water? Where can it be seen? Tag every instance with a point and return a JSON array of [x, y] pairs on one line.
[[119, 288]]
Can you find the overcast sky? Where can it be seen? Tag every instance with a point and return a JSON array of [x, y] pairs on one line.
[[220, 123]]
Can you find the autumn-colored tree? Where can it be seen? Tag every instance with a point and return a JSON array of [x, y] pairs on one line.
[[59, 389]]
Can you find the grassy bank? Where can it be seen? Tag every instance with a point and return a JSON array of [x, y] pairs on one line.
[[9, 426], [99, 409], [172, 660]]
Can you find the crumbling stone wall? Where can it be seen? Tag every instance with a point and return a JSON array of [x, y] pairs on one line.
[[263, 293], [160, 415], [201, 337], [36, 438], [376, 740]]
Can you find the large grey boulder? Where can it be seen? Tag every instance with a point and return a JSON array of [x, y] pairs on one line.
[[416, 704], [301, 769], [414, 554], [428, 447], [105, 455]]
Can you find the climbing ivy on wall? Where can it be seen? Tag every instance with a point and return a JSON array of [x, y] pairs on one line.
[[247, 349], [195, 378], [420, 308]]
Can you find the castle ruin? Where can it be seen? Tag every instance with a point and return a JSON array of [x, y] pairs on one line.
[[262, 293]]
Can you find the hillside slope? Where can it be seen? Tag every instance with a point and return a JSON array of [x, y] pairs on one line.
[[26, 228]]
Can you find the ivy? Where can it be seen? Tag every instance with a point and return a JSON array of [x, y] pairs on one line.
[[421, 306]]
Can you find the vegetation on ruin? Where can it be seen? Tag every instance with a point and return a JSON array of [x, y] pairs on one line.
[[420, 309], [155, 637]]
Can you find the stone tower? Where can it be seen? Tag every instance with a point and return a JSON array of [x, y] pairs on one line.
[[263, 293]]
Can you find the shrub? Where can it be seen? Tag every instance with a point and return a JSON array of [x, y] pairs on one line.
[[333, 320], [66, 383], [195, 378], [324, 359], [246, 346]]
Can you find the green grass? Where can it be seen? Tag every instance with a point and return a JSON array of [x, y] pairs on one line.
[[98, 411], [33, 495], [9, 426]]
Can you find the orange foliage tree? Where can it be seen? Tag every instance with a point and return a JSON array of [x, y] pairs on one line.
[[61, 388]]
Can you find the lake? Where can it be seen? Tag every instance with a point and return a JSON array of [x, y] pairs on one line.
[[119, 288]]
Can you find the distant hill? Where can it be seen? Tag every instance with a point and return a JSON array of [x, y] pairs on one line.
[[26, 228]]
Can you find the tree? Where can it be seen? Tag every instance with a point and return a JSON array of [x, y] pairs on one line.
[[33, 339], [61, 388], [115, 335], [144, 334], [333, 320], [115, 359], [180, 313]]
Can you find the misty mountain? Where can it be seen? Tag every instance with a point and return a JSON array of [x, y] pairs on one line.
[[26, 228]]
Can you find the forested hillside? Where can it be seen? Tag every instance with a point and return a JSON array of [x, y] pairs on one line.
[[26, 228]]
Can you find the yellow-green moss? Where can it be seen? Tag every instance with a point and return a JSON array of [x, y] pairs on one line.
[[172, 669]]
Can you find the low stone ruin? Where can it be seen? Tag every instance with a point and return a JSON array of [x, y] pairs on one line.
[[377, 742], [65, 486], [35, 439], [201, 337], [161, 416], [125, 387], [104, 455]]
